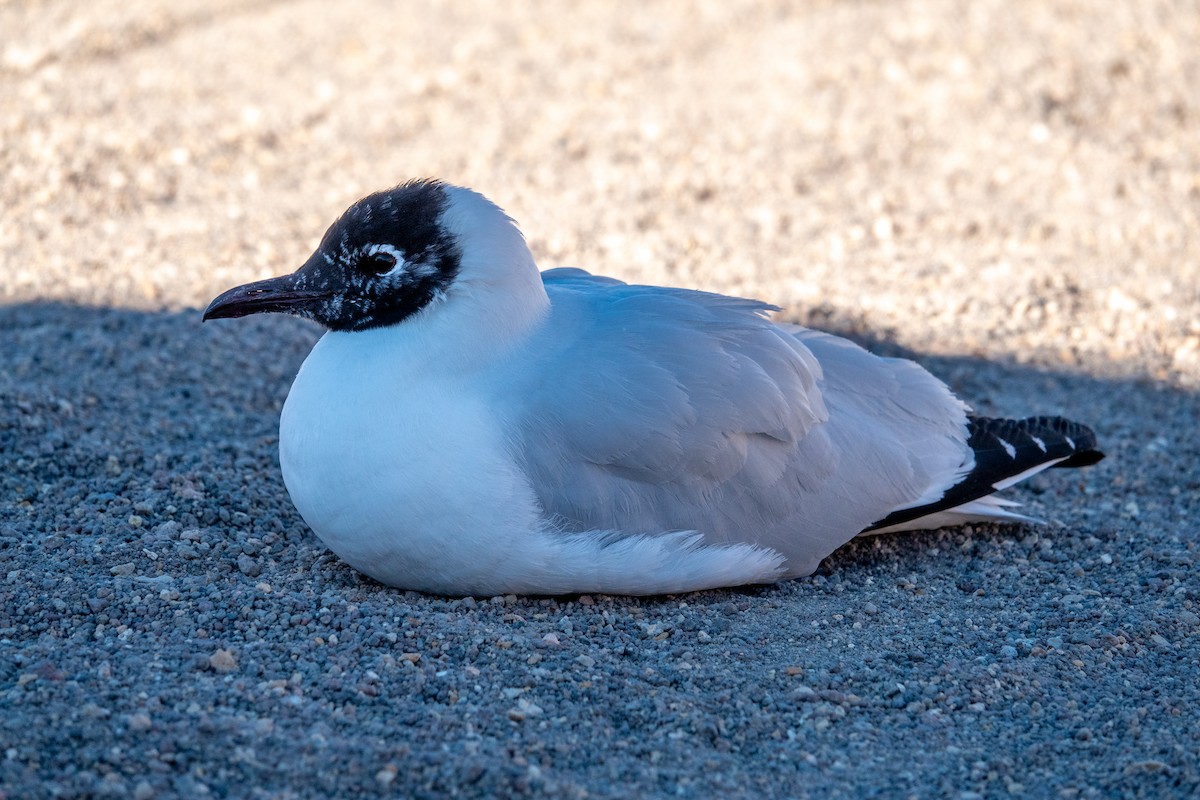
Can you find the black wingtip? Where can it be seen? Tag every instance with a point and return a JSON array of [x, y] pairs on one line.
[[1079, 436], [1004, 449], [1084, 459]]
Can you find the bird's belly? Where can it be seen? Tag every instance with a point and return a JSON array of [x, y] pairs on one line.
[[413, 486]]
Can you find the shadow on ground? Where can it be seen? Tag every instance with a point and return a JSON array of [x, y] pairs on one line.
[[147, 532]]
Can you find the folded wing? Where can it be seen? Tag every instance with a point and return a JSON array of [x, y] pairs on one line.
[[675, 410]]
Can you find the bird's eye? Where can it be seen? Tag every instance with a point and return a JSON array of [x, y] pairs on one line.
[[377, 263]]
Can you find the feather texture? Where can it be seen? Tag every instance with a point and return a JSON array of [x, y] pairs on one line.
[[675, 410]]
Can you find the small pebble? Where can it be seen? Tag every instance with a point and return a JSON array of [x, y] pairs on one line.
[[222, 661], [248, 566]]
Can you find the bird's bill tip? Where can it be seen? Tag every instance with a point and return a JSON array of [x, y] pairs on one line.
[[271, 295]]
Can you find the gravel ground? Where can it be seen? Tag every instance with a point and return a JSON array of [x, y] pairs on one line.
[[1008, 192]]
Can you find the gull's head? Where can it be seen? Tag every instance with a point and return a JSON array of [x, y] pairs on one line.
[[391, 255]]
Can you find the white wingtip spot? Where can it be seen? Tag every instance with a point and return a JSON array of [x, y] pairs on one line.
[[1038, 442], [1008, 448], [1070, 441]]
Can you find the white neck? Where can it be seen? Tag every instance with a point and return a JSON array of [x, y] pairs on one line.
[[498, 296]]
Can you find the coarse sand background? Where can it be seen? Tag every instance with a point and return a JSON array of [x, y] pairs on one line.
[[1008, 192]]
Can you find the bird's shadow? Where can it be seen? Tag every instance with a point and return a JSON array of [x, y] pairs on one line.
[[108, 414]]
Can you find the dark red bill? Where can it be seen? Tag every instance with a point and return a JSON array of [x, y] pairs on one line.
[[261, 297]]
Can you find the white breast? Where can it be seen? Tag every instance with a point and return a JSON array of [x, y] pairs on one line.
[[402, 468], [402, 473]]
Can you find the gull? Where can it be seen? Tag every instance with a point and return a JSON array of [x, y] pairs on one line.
[[469, 425]]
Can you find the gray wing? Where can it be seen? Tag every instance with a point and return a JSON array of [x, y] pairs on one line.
[[670, 409]]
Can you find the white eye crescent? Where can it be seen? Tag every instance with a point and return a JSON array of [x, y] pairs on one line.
[[380, 260]]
